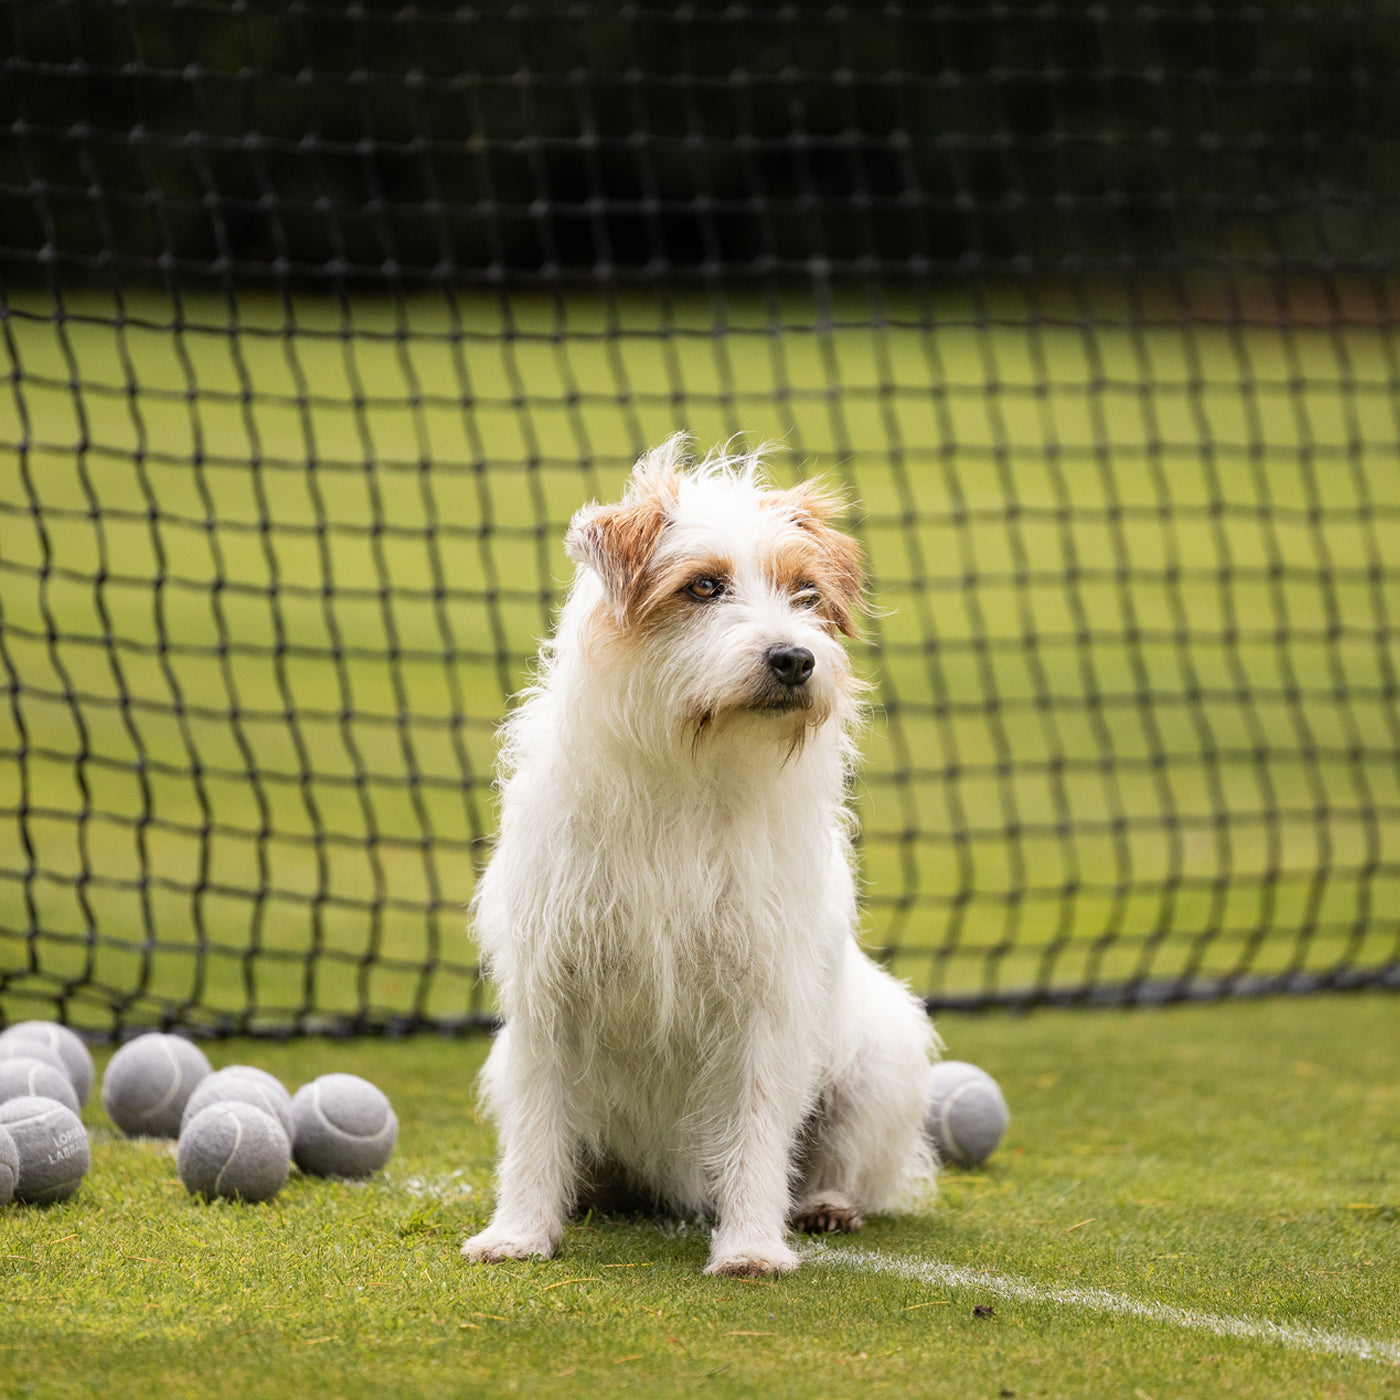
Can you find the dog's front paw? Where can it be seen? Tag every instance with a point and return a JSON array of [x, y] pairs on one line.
[[494, 1244], [753, 1261], [826, 1212]]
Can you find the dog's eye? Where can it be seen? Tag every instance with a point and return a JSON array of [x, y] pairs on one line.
[[806, 595], [705, 587]]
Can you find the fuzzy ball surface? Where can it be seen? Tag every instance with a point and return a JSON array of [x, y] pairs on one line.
[[967, 1112], [242, 1084], [58, 1040], [149, 1081], [233, 1151], [22, 1075], [342, 1125], [33, 1050], [9, 1167], [52, 1145]]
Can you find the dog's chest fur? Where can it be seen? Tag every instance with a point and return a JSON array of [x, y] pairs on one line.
[[661, 920], [663, 901]]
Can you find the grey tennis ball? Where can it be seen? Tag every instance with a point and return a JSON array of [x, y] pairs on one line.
[[967, 1113], [22, 1075], [149, 1081], [242, 1084], [52, 1145], [342, 1126], [33, 1050], [9, 1167], [234, 1151], [57, 1040]]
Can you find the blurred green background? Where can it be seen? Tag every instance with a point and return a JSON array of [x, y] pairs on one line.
[[270, 569], [319, 321]]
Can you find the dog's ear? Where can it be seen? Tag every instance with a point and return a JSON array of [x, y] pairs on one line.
[[813, 507], [618, 542], [811, 502], [843, 584]]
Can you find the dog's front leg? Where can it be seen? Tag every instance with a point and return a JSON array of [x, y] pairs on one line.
[[751, 1186], [536, 1177]]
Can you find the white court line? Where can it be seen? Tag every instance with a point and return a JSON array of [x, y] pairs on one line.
[[1297, 1336]]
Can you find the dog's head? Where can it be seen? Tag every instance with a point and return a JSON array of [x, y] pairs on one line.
[[722, 599]]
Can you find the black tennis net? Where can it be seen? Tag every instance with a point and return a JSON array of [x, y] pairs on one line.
[[318, 322]]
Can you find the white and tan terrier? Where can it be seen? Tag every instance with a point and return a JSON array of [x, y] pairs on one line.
[[669, 915]]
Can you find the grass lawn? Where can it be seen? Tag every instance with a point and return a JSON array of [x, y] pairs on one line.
[[1235, 1160]]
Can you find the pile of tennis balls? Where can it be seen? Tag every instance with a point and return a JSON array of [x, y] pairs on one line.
[[45, 1075], [238, 1129]]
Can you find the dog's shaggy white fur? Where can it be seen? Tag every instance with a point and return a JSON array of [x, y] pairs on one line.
[[669, 913]]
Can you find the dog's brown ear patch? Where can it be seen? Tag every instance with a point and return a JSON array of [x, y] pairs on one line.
[[812, 507], [618, 542], [810, 502], [844, 576]]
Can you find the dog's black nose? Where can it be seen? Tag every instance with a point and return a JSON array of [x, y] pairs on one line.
[[791, 665]]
